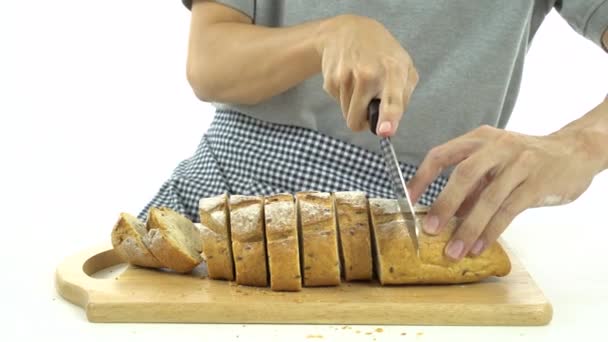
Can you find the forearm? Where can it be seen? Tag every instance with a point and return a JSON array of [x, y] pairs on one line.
[[590, 135], [244, 63]]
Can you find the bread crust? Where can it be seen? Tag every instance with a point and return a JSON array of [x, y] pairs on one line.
[[130, 242], [248, 240], [215, 233], [174, 240], [282, 243], [352, 213], [319, 241]]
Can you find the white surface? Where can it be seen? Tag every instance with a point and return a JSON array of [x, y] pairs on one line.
[[95, 112]]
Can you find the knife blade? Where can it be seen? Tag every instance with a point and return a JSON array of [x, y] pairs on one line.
[[393, 170]]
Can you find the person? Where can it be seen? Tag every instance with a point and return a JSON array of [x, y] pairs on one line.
[[292, 80]]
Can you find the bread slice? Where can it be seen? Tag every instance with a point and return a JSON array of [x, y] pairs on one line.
[[174, 240], [282, 243], [215, 231], [130, 241], [318, 236], [396, 262], [353, 227], [248, 242]]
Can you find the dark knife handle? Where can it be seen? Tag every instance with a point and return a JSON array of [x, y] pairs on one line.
[[373, 114]]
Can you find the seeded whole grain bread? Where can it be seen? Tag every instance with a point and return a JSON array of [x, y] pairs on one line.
[[301, 247], [282, 243], [354, 232], [130, 241], [215, 232], [248, 240], [396, 262], [174, 240], [318, 239]]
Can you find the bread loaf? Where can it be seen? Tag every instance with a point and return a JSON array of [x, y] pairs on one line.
[[215, 231], [354, 232], [248, 241], [397, 263], [301, 241], [174, 240], [319, 246], [130, 241], [282, 243]]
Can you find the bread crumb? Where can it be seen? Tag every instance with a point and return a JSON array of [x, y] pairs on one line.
[[357, 331], [379, 330], [368, 333], [403, 334], [314, 336], [420, 333]]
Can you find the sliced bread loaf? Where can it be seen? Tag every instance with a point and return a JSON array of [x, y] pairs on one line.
[[282, 243], [318, 236], [248, 241], [215, 231], [130, 241], [174, 240]]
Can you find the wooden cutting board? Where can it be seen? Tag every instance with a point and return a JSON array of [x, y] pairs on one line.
[[144, 295]]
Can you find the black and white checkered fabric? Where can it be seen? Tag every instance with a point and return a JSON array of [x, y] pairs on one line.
[[242, 155]]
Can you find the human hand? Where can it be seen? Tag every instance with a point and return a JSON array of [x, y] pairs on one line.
[[499, 174], [361, 61]]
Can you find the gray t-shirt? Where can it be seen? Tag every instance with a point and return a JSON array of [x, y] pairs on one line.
[[469, 54]]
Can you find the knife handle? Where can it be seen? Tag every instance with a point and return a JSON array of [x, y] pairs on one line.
[[373, 114]]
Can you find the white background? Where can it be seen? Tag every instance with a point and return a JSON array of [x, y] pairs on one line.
[[95, 112]]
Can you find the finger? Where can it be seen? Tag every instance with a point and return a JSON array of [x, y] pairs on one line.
[[467, 205], [466, 237], [472, 198], [346, 93], [519, 200], [438, 159], [365, 88], [412, 82], [391, 108], [461, 183], [413, 78], [331, 83]]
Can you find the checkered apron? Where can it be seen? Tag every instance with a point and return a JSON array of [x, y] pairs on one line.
[[243, 155]]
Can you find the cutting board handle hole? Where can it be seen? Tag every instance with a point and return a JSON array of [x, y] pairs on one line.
[[104, 265]]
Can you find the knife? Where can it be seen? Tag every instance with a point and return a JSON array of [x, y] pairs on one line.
[[394, 172]]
